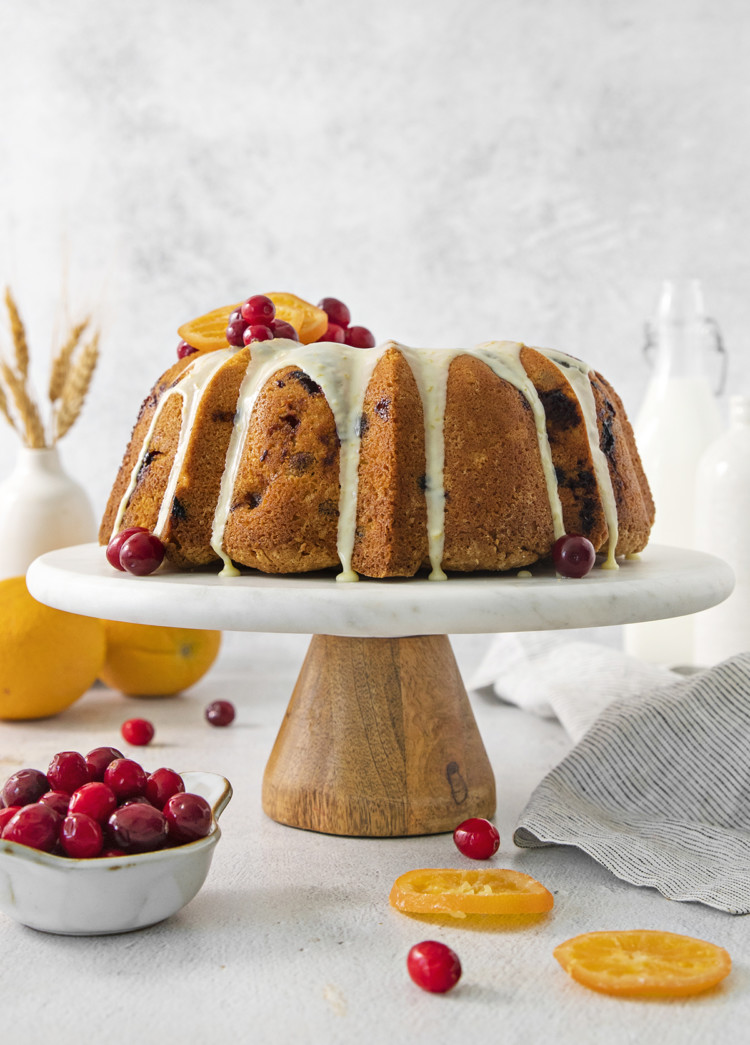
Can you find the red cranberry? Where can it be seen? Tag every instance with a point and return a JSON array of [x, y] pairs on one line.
[[138, 828], [258, 310], [333, 332], [96, 800], [81, 836], [220, 713], [137, 731], [35, 825], [433, 966], [114, 546], [161, 785], [67, 772], [573, 555], [257, 332], [360, 337], [184, 349], [281, 328], [6, 814], [235, 332], [189, 817], [126, 778], [57, 801], [24, 787], [141, 554], [336, 311], [477, 838], [112, 852], [99, 759]]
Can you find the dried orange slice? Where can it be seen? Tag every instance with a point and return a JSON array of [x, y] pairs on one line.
[[208, 332], [643, 962], [441, 890]]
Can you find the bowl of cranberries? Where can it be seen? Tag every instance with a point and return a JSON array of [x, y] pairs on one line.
[[97, 844]]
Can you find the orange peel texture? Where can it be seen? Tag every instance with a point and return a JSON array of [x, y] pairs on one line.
[[489, 891]]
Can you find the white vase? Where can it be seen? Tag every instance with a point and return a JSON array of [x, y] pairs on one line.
[[41, 508]]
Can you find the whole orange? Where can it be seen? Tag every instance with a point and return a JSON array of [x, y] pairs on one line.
[[147, 661]]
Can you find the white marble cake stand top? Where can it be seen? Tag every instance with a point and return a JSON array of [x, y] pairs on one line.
[[664, 582]]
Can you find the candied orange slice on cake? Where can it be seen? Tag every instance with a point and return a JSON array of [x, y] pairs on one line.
[[495, 890], [643, 962], [208, 332]]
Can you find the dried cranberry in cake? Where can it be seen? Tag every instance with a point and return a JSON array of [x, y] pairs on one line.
[[7, 814], [573, 555], [257, 332], [24, 787], [220, 713], [35, 825], [161, 785], [96, 800], [359, 337], [99, 758], [67, 772], [281, 328], [477, 838], [126, 778], [138, 828], [141, 554], [57, 801], [433, 966], [81, 836], [189, 817], [137, 731], [258, 309], [114, 546], [184, 349], [336, 311], [335, 333]]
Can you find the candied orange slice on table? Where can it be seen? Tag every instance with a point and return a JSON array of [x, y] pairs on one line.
[[643, 962], [208, 332], [442, 890]]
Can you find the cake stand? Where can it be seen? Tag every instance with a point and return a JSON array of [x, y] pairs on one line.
[[379, 738]]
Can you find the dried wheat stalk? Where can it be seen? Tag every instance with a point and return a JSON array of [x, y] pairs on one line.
[[4, 409], [61, 363], [18, 332], [26, 407], [75, 387]]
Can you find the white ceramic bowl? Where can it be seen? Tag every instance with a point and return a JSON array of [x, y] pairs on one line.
[[110, 894]]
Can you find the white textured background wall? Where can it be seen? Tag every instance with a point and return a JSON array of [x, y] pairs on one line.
[[454, 169]]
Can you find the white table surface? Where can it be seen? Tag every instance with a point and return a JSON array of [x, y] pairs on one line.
[[292, 939]]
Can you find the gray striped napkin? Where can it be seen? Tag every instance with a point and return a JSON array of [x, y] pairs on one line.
[[658, 790]]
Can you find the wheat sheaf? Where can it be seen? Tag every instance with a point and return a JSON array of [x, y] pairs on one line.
[[71, 372]]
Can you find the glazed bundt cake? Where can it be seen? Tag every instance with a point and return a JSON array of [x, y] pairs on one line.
[[289, 457]]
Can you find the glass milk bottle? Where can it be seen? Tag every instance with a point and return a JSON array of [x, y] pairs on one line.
[[679, 418], [722, 514]]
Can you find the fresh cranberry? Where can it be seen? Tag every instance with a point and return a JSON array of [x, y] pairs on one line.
[[34, 825], [220, 713], [24, 787], [433, 966], [114, 546], [161, 785], [141, 554], [99, 758], [81, 836], [95, 799], [333, 332], [235, 332], [336, 311], [67, 772], [189, 817], [281, 328], [126, 778], [573, 555], [6, 814], [257, 332], [138, 828], [184, 349], [360, 337], [258, 310], [477, 838], [137, 731], [57, 801]]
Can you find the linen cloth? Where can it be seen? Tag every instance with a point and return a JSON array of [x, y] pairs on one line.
[[657, 790]]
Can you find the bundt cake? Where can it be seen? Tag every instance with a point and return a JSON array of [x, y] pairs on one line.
[[289, 457]]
